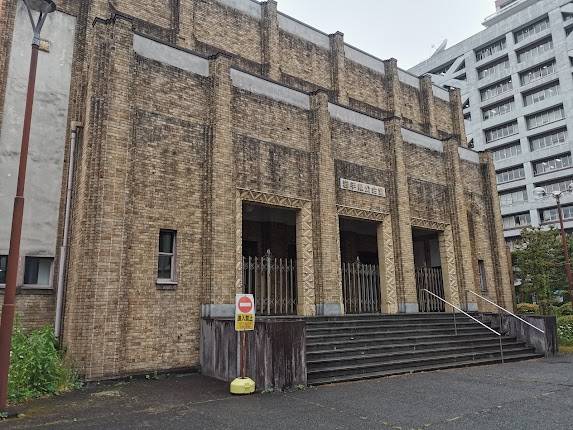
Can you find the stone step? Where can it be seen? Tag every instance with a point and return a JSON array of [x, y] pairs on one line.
[[388, 356], [396, 332], [411, 339], [379, 317], [446, 359], [386, 326], [316, 380], [342, 350]]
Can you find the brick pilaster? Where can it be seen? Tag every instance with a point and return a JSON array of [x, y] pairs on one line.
[[400, 200], [186, 21], [458, 123], [220, 247], [338, 67], [501, 260], [428, 105], [458, 206], [460, 224], [270, 39], [325, 217], [94, 302]]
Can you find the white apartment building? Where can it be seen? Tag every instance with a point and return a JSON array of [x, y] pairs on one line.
[[517, 83]]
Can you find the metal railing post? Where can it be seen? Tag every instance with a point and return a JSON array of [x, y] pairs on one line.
[[469, 316], [455, 323]]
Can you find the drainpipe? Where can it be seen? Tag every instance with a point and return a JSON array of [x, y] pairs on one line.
[[64, 248]]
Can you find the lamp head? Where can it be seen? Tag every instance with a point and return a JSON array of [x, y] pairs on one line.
[[570, 187], [42, 6], [540, 192]]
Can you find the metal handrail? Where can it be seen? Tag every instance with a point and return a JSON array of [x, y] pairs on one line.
[[506, 311], [468, 315]]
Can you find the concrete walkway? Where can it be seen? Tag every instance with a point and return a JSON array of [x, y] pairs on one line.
[[528, 395]]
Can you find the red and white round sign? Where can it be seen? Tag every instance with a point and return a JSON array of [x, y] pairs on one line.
[[245, 304]]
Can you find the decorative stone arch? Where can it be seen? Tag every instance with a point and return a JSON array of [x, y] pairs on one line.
[[387, 264], [305, 255], [447, 254]]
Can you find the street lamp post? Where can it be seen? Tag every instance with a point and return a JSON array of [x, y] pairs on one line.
[[43, 8], [541, 193]]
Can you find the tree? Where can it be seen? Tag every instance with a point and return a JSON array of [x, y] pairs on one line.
[[539, 261]]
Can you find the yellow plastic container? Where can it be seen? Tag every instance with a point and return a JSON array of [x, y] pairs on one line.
[[241, 386]]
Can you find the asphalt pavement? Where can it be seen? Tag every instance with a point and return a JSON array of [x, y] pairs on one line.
[[528, 395]]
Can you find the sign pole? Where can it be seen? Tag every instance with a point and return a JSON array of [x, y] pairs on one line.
[[244, 321]]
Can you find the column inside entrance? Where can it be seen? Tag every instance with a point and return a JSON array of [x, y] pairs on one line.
[[360, 266], [270, 258], [428, 269]]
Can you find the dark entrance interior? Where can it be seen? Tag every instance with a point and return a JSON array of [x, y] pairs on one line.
[[428, 266], [360, 266], [269, 258]]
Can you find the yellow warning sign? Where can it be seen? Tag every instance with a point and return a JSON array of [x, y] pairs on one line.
[[244, 322]]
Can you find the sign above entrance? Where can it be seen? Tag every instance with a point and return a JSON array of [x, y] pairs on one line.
[[360, 187], [244, 312]]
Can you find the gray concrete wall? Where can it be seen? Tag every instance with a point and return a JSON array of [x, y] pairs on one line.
[[48, 134]]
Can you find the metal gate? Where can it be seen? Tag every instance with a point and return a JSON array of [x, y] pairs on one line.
[[273, 283], [430, 278], [361, 288]]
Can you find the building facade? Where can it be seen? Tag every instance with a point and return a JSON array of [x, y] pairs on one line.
[[217, 147], [517, 90]]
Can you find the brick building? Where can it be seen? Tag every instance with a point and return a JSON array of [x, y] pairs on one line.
[[221, 146]]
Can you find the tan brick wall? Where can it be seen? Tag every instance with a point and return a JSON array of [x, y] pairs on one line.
[[34, 309], [276, 122], [158, 13], [412, 117], [222, 27], [305, 61], [163, 148], [365, 85], [425, 164]]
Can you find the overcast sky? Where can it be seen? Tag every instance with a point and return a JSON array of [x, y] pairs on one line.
[[409, 30]]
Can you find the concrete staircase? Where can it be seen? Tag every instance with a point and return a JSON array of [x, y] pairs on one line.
[[359, 347]]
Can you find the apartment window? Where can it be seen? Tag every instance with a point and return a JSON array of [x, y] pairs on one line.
[[500, 109], [535, 50], [546, 117], [501, 132], [552, 215], [510, 175], [537, 73], [496, 89], [37, 271], [490, 50], [552, 164], [514, 197], [516, 221], [482, 276], [531, 30], [556, 186], [166, 261], [507, 152], [541, 94], [3, 267], [494, 69], [547, 140]]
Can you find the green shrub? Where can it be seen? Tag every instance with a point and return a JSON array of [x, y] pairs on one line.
[[36, 366], [565, 330], [527, 308], [565, 309]]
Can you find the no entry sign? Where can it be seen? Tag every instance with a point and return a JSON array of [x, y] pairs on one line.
[[244, 312]]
